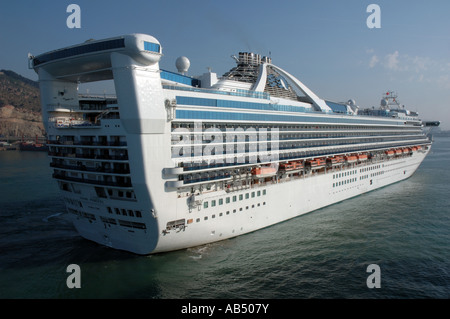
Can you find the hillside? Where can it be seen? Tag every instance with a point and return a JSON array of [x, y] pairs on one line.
[[20, 109]]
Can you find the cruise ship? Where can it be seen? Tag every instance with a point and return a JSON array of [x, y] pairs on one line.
[[173, 161]]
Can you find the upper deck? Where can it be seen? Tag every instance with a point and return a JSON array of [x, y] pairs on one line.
[[253, 84]]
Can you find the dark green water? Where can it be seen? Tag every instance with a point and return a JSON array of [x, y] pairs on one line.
[[403, 228]]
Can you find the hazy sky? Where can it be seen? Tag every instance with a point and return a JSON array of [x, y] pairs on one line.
[[326, 44]]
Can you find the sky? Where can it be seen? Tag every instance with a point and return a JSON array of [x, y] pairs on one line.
[[326, 44]]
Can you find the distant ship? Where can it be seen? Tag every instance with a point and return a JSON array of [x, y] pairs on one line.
[[173, 161], [34, 146]]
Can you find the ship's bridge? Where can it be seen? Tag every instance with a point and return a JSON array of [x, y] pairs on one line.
[[91, 60]]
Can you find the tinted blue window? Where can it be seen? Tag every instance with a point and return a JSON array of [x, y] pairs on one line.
[[209, 115], [179, 78], [81, 49], [149, 46]]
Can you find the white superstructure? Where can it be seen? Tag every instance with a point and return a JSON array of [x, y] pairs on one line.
[[173, 161]]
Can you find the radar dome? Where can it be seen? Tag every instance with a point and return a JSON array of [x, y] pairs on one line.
[[182, 64], [351, 102], [384, 103]]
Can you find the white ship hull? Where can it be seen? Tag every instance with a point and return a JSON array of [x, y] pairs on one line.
[[283, 201]]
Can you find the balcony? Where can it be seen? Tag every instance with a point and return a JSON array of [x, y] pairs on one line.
[[121, 184]]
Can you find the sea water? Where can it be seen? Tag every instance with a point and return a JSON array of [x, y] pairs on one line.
[[403, 228]]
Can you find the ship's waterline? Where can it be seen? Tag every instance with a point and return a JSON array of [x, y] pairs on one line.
[[173, 161]]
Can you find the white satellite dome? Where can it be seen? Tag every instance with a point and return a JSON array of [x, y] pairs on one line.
[[182, 64]]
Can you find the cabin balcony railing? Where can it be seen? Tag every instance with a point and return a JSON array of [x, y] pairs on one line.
[[91, 169], [91, 181]]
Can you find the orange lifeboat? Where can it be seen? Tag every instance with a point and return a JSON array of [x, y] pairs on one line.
[[290, 166], [398, 152], [390, 153], [336, 160], [419, 148], [287, 166], [406, 150], [414, 148], [316, 163], [263, 171], [298, 165], [340, 159], [363, 157], [351, 159]]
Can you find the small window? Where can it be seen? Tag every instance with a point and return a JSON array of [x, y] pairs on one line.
[[227, 200], [138, 214], [259, 193], [213, 203], [241, 197], [253, 194], [247, 196], [221, 201], [264, 192], [234, 198], [205, 205]]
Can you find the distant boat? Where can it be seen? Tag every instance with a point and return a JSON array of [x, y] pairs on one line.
[[33, 146], [5, 146]]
